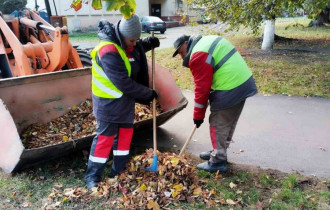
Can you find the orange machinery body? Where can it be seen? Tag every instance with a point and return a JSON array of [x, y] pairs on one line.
[[45, 50]]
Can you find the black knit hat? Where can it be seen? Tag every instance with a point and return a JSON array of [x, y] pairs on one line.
[[179, 42]]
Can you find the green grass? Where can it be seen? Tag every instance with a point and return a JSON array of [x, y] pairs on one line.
[[292, 197], [87, 36], [279, 192]]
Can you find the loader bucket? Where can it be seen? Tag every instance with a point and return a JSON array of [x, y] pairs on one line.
[[44, 97]]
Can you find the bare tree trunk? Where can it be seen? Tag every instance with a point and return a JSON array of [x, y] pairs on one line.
[[269, 34], [322, 18]]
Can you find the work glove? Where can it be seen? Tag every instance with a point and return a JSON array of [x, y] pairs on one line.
[[154, 95], [147, 101], [198, 123], [153, 42]]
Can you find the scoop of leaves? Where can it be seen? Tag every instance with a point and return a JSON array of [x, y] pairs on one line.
[[174, 182], [77, 123]]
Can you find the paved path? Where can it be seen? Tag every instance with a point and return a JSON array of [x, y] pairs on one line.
[[279, 132]]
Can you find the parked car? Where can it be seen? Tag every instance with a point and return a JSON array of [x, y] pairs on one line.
[[152, 23], [205, 19]]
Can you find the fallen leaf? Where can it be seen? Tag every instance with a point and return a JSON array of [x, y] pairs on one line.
[[321, 148], [26, 204], [153, 205], [175, 193], [64, 200], [175, 161], [143, 187], [178, 187], [230, 202], [65, 138], [260, 205], [197, 191], [232, 185], [13, 195], [222, 201], [167, 194], [136, 157]]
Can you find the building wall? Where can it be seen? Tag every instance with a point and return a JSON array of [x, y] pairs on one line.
[[142, 8], [84, 19], [87, 18]]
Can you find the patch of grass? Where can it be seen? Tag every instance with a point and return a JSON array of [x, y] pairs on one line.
[[325, 195], [253, 195], [290, 182], [292, 196], [298, 28], [283, 75], [84, 36], [267, 181]]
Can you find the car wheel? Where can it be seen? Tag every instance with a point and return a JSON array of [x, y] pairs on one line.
[[162, 32], [145, 29]]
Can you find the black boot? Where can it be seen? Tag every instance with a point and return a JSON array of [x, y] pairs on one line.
[[91, 184], [205, 155], [213, 167]]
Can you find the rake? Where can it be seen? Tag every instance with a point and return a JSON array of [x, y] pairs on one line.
[[154, 166]]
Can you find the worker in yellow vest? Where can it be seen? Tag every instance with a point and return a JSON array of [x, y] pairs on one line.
[[221, 77], [119, 79]]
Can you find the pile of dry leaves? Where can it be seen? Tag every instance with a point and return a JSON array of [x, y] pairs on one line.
[[77, 123], [175, 181]]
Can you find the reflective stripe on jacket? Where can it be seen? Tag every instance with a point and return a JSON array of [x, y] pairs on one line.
[[229, 68], [101, 84]]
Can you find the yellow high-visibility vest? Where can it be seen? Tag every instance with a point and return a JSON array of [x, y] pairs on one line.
[[101, 84]]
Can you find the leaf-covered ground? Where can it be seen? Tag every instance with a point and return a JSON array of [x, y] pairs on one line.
[[178, 185]]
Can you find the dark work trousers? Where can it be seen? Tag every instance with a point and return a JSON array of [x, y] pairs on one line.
[[222, 127], [108, 135]]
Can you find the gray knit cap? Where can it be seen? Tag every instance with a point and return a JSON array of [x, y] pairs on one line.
[[130, 28]]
